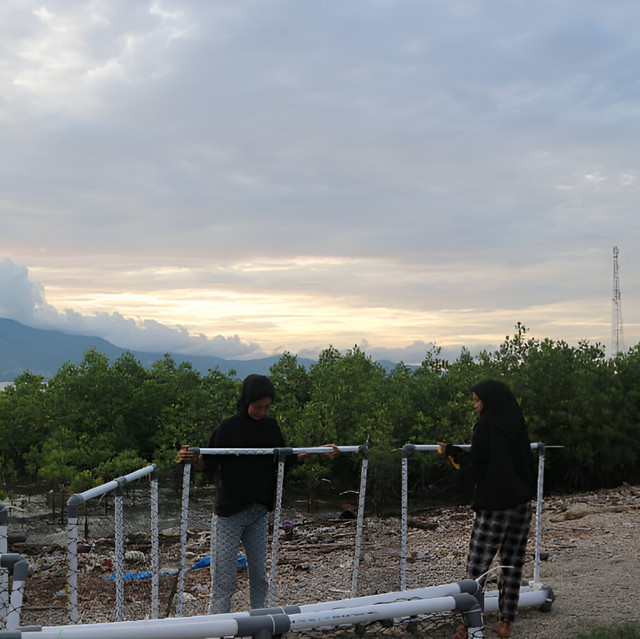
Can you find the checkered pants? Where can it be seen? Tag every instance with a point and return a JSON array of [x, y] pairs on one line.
[[251, 527], [502, 532]]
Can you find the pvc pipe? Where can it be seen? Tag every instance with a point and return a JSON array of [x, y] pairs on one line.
[[4, 575], [155, 548], [529, 598], [146, 629], [468, 586], [436, 447], [119, 551], [184, 524], [97, 491], [72, 568], [271, 451], [536, 563], [72, 525], [18, 567], [277, 511], [363, 610], [364, 450], [409, 449], [404, 517], [281, 453], [376, 612]]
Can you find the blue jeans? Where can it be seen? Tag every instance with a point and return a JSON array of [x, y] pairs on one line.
[[251, 527]]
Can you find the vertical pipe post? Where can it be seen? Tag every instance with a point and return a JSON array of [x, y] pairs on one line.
[[407, 450], [271, 595], [184, 522], [364, 450], [72, 554], [212, 550], [18, 567], [155, 550], [541, 459], [119, 542], [4, 574]]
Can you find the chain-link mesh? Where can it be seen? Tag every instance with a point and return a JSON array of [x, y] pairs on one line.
[[16, 568], [4, 572], [315, 559]]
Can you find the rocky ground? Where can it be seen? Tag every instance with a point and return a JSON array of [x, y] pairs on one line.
[[589, 542]]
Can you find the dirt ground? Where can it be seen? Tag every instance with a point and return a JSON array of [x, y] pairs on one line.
[[589, 544]]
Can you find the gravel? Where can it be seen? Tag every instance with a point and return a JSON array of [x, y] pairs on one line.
[[589, 542]]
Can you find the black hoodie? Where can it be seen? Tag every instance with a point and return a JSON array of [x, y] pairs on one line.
[[242, 480], [501, 460]]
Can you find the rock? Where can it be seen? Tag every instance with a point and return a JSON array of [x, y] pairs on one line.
[[135, 556]]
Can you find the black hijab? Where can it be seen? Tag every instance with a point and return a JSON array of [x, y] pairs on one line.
[[500, 408], [502, 471], [254, 387]]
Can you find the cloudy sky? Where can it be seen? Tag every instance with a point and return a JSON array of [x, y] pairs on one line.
[[243, 177]]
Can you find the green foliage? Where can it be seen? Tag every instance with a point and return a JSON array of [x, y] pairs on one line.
[[98, 420]]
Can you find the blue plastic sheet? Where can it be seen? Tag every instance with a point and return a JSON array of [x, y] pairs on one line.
[[201, 563]]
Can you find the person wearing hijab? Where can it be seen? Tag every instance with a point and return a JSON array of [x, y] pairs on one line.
[[502, 486], [245, 490]]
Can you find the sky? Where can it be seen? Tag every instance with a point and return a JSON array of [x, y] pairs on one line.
[[246, 177]]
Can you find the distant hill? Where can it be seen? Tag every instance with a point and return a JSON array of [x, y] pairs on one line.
[[43, 352]]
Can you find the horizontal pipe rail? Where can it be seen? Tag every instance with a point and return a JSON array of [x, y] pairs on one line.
[[273, 451], [103, 489]]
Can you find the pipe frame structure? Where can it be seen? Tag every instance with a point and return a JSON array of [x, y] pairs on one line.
[[18, 567], [280, 455], [4, 574], [73, 504], [409, 449], [265, 623]]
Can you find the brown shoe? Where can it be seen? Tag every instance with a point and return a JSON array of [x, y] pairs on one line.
[[461, 632], [501, 629]]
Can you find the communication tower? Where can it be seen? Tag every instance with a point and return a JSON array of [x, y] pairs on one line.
[[617, 338]]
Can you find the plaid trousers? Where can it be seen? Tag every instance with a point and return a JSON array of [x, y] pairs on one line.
[[251, 527], [502, 532]]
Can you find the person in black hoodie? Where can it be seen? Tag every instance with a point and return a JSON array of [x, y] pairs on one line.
[[502, 480], [245, 491]]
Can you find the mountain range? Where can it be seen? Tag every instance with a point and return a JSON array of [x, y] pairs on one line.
[[43, 351]]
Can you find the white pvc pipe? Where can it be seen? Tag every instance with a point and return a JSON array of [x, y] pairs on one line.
[[359, 523], [528, 599], [201, 628], [271, 451], [118, 507], [184, 525], [4, 573], [72, 524], [155, 549], [393, 605], [429, 592], [72, 568], [277, 512], [359, 610], [536, 563], [409, 448], [282, 452], [112, 485], [404, 522], [370, 613]]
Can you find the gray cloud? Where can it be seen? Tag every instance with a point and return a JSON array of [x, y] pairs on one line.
[[19, 297], [458, 161], [24, 301]]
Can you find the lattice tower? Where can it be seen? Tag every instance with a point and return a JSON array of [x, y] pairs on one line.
[[617, 338]]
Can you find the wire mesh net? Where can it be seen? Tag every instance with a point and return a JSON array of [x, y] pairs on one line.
[[315, 560]]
